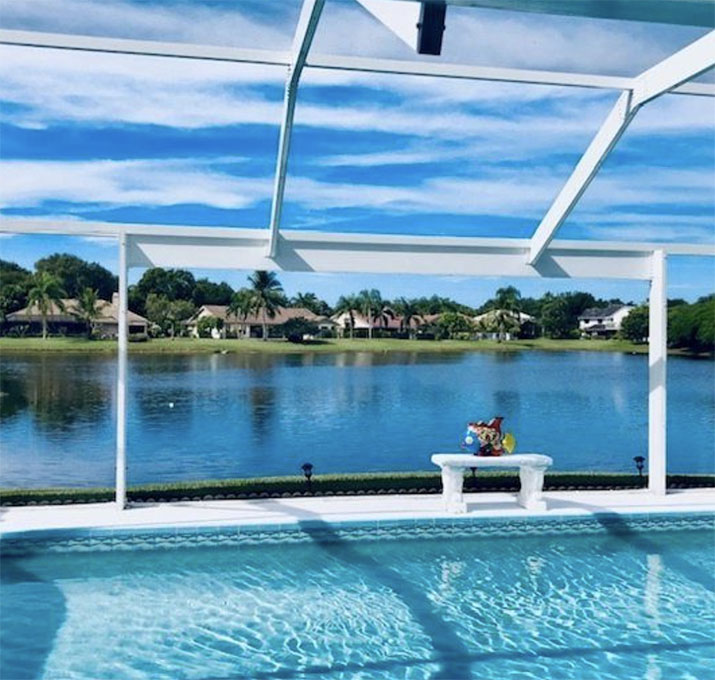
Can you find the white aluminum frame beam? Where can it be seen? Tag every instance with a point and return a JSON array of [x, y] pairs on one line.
[[143, 48], [150, 48], [589, 164], [306, 251], [307, 25], [685, 64], [488, 73], [120, 487], [657, 365]]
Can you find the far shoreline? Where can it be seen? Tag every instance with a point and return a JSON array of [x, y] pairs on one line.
[[327, 346]]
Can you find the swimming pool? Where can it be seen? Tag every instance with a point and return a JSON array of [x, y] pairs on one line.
[[583, 598]]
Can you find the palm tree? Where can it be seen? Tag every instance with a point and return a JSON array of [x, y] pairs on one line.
[[506, 314], [243, 303], [268, 294], [508, 298], [87, 309], [347, 304], [499, 321], [307, 301], [46, 290], [409, 311], [371, 305]]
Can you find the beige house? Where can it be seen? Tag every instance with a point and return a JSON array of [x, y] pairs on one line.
[[252, 325], [67, 323]]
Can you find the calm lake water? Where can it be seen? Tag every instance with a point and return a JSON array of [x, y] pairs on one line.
[[219, 416]]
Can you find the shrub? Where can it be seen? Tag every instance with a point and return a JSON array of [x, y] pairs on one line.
[[296, 329], [206, 324], [344, 485]]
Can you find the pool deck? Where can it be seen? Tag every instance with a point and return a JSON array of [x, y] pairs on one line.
[[343, 509]]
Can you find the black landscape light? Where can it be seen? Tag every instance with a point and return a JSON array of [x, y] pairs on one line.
[[308, 473], [640, 462]]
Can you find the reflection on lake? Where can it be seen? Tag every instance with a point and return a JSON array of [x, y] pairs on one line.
[[234, 415]]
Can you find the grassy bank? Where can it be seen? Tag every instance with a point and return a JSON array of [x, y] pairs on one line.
[[207, 346], [338, 485]]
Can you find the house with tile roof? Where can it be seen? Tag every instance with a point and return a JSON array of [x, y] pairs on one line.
[[250, 326], [64, 320]]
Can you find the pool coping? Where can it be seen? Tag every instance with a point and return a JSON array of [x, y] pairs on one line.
[[47, 522]]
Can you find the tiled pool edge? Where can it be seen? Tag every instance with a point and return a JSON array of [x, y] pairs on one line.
[[315, 530]]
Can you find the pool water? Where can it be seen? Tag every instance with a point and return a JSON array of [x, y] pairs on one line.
[[617, 603]]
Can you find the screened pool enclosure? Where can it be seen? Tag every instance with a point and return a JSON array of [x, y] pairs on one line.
[[425, 26]]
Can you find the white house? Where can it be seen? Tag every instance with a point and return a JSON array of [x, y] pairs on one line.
[[603, 321]]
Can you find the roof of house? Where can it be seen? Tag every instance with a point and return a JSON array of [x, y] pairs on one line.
[[601, 312], [282, 315], [108, 313]]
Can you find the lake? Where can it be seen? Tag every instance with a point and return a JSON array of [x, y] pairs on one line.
[[195, 417]]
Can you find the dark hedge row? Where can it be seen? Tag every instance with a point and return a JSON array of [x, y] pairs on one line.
[[337, 485]]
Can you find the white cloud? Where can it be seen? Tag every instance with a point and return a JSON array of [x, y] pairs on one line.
[[222, 24], [143, 183], [91, 88], [610, 209], [517, 191], [655, 231], [99, 89], [102, 241]]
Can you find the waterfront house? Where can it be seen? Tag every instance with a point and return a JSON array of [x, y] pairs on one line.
[[66, 322], [516, 324], [230, 325], [603, 322], [387, 324]]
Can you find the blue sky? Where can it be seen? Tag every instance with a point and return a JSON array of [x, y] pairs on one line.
[[105, 137]]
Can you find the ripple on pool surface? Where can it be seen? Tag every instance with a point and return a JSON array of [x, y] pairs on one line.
[[598, 607]]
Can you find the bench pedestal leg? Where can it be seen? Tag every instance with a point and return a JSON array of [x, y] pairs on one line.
[[452, 483], [532, 485]]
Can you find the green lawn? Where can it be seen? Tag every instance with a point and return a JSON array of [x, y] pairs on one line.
[[192, 345]]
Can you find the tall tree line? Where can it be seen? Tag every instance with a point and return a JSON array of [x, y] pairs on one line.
[[168, 297]]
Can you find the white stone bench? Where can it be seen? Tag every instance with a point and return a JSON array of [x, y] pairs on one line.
[[531, 473]]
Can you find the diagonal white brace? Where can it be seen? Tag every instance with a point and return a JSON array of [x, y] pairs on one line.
[[668, 74], [684, 65], [307, 25], [586, 169]]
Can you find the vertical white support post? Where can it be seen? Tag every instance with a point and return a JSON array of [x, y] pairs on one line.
[[122, 330], [657, 355]]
